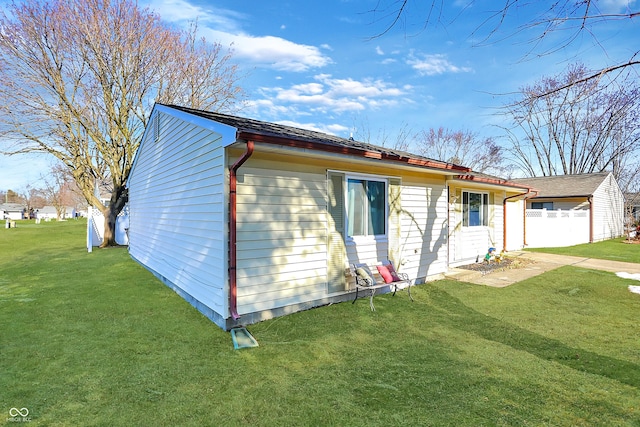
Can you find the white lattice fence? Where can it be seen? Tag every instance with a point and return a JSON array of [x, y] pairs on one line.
[[556, 228]]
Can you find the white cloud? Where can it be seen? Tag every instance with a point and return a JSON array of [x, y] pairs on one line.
[[615, 6], [181, 11], [273, 52], [431, 65], [350, 87], [224, 26], [379, 50], [328, 95]]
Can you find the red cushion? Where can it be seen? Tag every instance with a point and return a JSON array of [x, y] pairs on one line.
[[388, 273], [384, 272], [394, 275]]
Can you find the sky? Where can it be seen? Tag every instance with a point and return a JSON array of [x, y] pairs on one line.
[[332, 65]]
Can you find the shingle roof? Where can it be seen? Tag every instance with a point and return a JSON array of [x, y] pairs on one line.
[[274, 130], [583, 185], [11, 207]]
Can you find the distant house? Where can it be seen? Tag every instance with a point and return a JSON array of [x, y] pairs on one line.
[[13, 211], [50, 212], [572, 209], [249, 220]]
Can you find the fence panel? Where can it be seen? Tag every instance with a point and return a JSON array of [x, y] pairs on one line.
[[556, 228], [95, 227]]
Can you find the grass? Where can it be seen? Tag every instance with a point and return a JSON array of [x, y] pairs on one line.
[[94, 339], [613, 250]]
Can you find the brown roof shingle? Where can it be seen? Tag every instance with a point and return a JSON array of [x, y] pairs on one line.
[[582, 185], [274, 130]]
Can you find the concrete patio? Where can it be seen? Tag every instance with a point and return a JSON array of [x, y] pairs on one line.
[[541, 263]]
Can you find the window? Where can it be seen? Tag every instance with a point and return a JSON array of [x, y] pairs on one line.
[[366, 207], [475, 209], [542, 205]]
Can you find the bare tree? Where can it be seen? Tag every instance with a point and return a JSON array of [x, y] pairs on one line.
[[559, 23], [32, 198], [11, 196], [569, 125], [466, 148], [54, 189], [78, 79], [400, 141]]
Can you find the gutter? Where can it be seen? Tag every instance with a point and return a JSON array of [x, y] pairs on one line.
[[490, 181], [233, 181], [504, 216], [340, 149]]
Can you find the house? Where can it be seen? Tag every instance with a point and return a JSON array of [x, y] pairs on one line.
[[50, 212], [572, 209], [249, 220], [13, 211]]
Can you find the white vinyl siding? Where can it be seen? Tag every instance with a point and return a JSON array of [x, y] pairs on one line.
[[470, 243], [177, 197], [608, 210], [423, 240], [281, 237]]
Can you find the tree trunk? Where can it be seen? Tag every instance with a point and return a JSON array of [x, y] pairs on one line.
[[119, 198]]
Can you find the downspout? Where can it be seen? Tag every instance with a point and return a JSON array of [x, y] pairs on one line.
[[504, 217], [233, 285], [590, 200], [524, 217]]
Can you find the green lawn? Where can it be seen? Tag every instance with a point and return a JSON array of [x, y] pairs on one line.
[[613, 250], [94, 339]]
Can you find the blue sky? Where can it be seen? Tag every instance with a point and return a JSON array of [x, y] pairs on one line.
[[317, 64]]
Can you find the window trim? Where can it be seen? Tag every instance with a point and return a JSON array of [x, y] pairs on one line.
[[484, 210], [366, 177]]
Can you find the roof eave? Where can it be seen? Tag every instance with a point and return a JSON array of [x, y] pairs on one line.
[[492, 181], [353, 151], [571, 196]]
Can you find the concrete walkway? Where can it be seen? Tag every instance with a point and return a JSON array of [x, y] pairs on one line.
[[541, 263]]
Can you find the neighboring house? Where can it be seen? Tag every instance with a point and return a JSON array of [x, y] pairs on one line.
[[13, 211], [573, 209], [249, 220], [49, 212]]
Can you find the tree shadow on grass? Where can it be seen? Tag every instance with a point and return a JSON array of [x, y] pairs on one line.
[[467, 319]]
